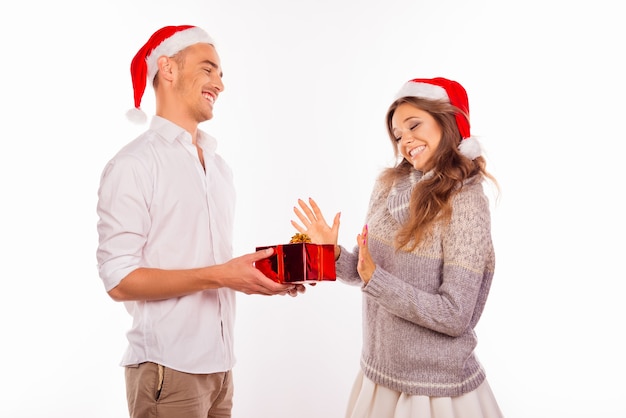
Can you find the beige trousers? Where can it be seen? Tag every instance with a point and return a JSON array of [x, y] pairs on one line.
[[155, 391]]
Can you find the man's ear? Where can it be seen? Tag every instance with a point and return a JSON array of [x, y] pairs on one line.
[[165, 67]]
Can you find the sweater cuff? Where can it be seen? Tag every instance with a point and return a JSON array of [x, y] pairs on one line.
[[375, 286]]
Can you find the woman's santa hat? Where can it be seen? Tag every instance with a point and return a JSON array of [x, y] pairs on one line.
[[439, 88], [167, 41]]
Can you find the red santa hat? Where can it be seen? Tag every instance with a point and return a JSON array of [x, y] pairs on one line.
[[166, 41], [439, 88]]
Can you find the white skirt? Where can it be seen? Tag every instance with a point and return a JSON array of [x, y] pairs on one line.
[[369, 400]]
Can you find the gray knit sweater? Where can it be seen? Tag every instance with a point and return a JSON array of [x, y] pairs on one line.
[[420, 308]]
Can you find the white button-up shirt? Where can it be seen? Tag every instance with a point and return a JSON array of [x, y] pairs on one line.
[[158, 208]]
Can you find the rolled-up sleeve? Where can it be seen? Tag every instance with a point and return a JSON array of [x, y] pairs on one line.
[[124, 221]]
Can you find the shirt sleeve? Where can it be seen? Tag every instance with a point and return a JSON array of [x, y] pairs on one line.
[[124, 219]]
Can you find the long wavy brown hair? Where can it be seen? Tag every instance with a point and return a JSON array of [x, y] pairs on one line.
[[430, 199]]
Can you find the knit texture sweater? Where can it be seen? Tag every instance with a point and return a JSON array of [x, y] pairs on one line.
[[420, 307]]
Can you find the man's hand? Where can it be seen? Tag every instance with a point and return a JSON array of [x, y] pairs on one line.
[[241, 275]]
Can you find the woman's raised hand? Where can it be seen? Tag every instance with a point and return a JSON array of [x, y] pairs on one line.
[[366, 265], [313, 223]]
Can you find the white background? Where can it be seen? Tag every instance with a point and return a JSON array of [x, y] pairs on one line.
[[307, 86]]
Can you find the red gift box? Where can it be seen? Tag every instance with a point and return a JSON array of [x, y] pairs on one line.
[[299, 262]]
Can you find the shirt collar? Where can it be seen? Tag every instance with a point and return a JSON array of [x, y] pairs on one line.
[[171, 132]]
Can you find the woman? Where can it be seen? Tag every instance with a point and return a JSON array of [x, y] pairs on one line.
[[424, 261]]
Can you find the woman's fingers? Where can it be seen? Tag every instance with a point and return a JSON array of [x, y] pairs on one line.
[[307, 210], [298, 227], [309, 214], [305, 221], [317, 211]]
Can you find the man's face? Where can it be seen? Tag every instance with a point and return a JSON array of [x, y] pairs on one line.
[[199, 81]]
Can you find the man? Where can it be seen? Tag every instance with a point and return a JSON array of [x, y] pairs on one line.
[[166, 209]]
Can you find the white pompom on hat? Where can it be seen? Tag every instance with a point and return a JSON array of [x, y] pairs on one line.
[[440, 88], [167, 41]]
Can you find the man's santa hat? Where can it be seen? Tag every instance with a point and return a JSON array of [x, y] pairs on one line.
[[439, 88], [167, 41]]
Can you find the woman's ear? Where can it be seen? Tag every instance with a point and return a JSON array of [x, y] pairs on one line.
[[165, 67]]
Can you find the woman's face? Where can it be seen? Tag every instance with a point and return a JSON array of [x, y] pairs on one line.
[[417, 135]]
